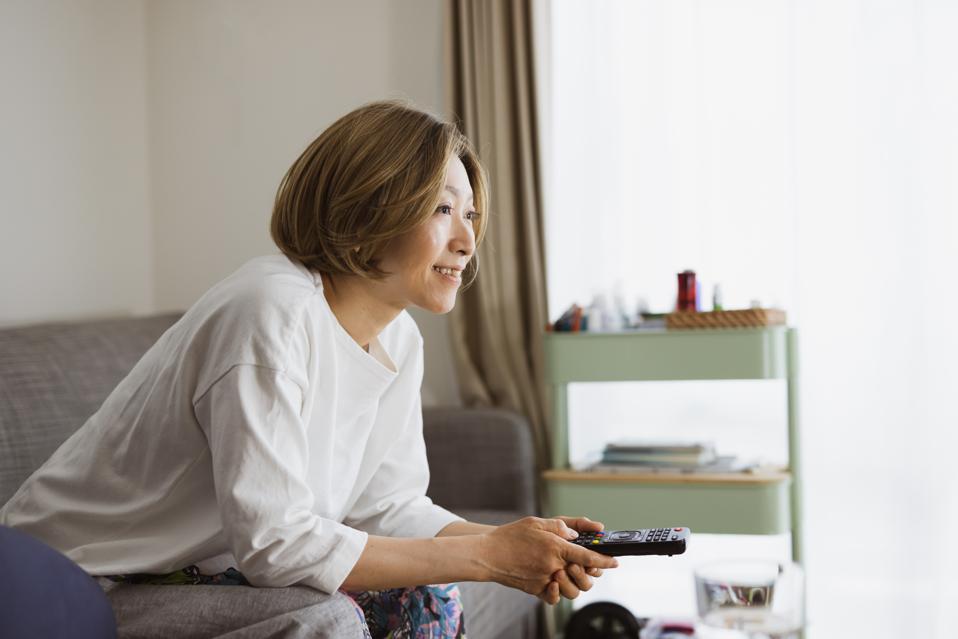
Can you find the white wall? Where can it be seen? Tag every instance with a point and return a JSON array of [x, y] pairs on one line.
[[74, 202], [148, 139], [238, 89]]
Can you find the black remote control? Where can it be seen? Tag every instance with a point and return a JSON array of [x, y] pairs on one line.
[[648, 541]]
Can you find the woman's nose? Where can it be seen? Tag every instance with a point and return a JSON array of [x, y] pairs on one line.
[[464, 238]]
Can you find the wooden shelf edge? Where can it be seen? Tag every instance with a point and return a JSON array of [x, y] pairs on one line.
[[659, 332], [763, 476]]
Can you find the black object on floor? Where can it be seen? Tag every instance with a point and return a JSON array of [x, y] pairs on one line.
[[602, 620]]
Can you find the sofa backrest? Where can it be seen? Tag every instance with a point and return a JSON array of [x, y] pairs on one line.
[[54, 376]]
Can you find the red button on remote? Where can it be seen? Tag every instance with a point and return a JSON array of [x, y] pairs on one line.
[[677, 529]]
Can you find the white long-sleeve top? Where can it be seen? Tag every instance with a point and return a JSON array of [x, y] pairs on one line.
[[255, 433]]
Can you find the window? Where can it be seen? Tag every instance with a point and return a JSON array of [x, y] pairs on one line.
[[802, 154]]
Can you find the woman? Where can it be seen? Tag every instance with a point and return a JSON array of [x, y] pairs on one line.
[[273, 436]]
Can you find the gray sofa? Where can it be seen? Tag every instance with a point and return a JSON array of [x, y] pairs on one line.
[[53, 376]]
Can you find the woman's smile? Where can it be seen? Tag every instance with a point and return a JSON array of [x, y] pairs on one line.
[[450, 275]]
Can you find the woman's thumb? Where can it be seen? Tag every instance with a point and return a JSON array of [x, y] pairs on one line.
[[560, 528]]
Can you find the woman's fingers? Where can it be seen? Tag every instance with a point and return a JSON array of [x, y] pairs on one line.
[[578, 555], [594, 572], [553, 590], [582, 524], [568, 589], [550, 593], [579, 577], [558, 527]]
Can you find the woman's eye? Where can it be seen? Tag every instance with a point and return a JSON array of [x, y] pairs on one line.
[[445, 209]]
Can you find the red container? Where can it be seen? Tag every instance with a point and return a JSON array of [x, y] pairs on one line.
[[686, 299]]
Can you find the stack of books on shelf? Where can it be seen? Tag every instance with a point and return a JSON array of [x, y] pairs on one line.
[[668, 457]]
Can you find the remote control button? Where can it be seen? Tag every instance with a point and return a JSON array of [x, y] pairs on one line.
[[677, 529], [596, 541], [674, 537]]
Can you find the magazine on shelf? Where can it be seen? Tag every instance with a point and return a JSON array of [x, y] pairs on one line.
[[659, 446], [721, 464], [659, 460], [660, 453]]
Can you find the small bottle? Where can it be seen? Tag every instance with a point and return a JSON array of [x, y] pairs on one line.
[[611, 321], [596, 312], [717, 298], [641, 307], [620, 316], [686, 297]]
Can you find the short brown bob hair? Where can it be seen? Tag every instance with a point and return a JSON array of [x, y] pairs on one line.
[[373, 175]]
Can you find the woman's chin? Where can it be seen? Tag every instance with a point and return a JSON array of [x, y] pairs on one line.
[[439, 307]]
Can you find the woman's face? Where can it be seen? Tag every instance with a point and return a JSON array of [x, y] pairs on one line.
[[426, 264]]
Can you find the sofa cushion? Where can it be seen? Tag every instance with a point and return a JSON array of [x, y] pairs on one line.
[[493, 611], [231, 612], [480, 458], [53, 377]]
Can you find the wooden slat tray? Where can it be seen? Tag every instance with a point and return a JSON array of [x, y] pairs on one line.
[[745, 318]]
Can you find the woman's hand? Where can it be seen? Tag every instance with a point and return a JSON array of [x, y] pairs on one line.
[[574, 579], [535, 556]]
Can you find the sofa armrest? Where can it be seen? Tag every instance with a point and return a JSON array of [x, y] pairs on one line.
[[480, 459]]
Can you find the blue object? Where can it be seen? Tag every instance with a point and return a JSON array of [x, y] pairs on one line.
[[43, 594]]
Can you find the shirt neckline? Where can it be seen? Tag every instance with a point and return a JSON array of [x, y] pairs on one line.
[[378, 359]]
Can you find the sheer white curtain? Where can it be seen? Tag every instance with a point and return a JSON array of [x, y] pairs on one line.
[[803, 153]]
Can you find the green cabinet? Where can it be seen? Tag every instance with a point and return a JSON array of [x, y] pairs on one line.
[[764, 502]]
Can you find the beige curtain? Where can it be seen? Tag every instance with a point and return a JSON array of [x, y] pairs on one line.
[[497, 324]]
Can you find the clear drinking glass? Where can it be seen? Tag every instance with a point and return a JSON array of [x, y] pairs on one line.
[[750, 598]]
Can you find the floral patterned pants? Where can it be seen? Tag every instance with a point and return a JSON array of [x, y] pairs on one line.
[[424, 612]]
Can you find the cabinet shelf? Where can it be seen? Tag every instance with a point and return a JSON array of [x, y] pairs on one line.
[[765, 502], [648, 355], [764, 476], [728, 504]]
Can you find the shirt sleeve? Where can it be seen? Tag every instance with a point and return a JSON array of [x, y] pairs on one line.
[[251, 418], [394, 503]]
